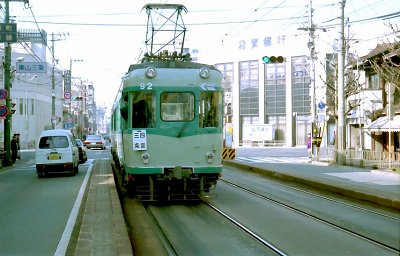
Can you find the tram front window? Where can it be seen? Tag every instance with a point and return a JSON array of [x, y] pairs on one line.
[[177, 106], [143, 111]]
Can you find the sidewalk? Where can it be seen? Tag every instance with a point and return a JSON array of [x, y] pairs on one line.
[[380, 187], [103, 230]]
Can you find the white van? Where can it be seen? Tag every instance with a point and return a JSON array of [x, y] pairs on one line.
[[56, 152]]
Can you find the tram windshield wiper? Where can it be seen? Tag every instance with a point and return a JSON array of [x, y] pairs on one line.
[[182, 129]]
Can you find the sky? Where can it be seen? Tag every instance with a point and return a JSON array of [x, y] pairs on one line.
[[104, 37]]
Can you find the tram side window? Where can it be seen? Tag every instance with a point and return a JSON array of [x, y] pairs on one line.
[[210, 109], [143, 111], [177, 106]]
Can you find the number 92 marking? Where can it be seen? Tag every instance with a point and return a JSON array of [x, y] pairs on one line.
[[148, 86]]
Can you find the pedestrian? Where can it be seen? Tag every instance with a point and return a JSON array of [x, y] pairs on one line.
[[14, 149], [309, 145], [18, 145], [334, 138]]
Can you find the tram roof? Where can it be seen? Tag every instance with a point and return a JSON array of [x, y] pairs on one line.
[[170, 64], [165, 6]]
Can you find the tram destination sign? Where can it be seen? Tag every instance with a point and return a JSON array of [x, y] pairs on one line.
[[31, 67]]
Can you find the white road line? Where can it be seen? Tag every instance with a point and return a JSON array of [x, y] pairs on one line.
[[273, 160], [66, 236]]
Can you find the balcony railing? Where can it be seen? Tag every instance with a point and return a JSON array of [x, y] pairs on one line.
[[374, 159], [364, 158]]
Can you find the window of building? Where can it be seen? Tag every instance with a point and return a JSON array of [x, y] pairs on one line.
[[301, 83], [275, 88], [32, 107], [373, 81], [20, 103], [248, 87]]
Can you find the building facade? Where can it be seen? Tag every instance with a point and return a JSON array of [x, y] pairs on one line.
[[32, 93], [260, 93]]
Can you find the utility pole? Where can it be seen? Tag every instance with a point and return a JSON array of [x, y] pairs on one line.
[[7, 87], [53, 81], [311, 45], [341, 133], [53, 86], [9, 36]]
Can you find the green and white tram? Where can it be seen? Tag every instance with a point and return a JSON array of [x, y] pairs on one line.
[[166, 128]]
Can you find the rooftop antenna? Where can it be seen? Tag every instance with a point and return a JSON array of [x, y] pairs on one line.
[[165, 28]]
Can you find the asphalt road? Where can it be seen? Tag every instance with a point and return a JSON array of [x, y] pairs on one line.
[[35, 214]]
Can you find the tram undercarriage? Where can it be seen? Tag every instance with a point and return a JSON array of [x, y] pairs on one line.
[[175, 184]]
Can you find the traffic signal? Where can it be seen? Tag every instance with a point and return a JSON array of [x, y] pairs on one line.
[[273, 59]]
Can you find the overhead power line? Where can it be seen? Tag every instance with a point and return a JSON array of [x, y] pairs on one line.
[[144, 25]]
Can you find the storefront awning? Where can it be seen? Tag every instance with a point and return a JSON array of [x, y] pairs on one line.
[[383, 124]]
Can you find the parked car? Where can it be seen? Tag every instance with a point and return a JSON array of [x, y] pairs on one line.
[[94, 141], [82, 151], [56, 152]]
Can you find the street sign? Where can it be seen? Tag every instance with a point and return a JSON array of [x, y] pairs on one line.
[[3, 94], [67, 80], [53, 119], [31, 67], [8, 32], [3, 111], [68, 125], [67, 95]]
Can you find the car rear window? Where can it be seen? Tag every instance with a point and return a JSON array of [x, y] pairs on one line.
[[53, 142], [93, 137]]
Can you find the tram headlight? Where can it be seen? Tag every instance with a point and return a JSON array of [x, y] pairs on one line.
[[150, 72], [210, 157], [204, 72], [145, 158]]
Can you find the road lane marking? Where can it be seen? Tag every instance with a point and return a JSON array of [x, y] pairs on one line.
[[273, 159], [66, 236]]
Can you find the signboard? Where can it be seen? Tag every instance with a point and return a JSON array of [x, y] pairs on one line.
[[31, 67], [258, 132], [67, 80], [228, 97], [8, 32], [228, 135]]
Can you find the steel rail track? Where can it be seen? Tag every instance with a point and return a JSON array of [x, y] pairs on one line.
[[169, 248], [248, 231], [388, 247], [328, 199]]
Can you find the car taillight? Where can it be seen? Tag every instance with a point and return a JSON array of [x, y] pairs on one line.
[[99, 142], [40, 167], [68, 165], [86, 142]]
